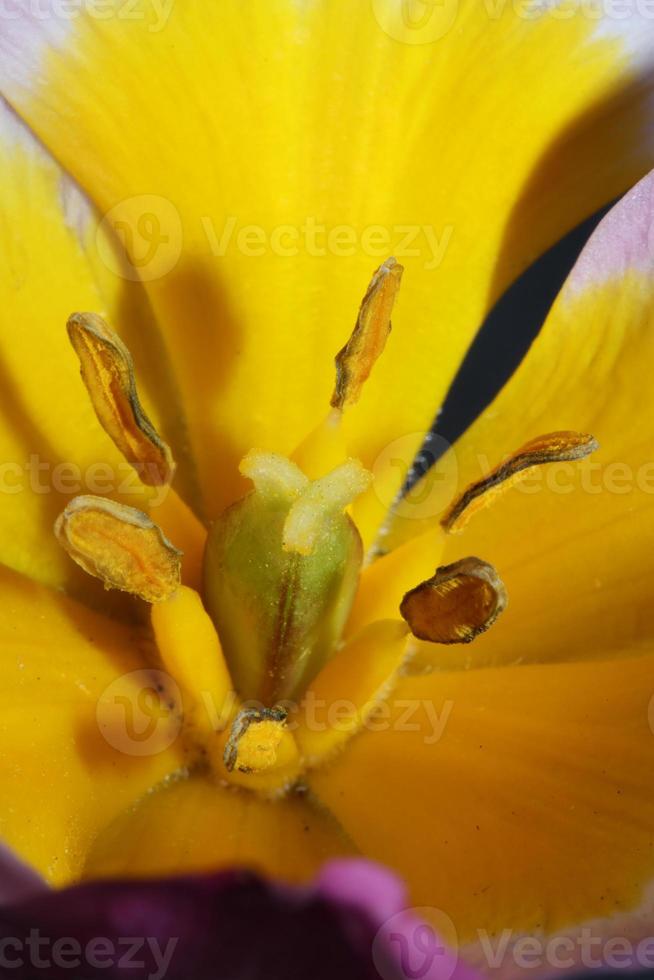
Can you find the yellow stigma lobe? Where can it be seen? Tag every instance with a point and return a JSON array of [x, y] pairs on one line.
[[458, 603], [107, 370], [556, 447], [309, 515], [121, 546], [356, 360], [273, 474]]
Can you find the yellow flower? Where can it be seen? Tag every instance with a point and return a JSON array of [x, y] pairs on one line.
[[245, 162]]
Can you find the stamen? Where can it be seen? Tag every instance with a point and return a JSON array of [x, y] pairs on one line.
[[107, 370], [121, 546], [458, 603], [273, 474], [356, 360], [321, 500], [191, 653], [556, 447], [254, 740]]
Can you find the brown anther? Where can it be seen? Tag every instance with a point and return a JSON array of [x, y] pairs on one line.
[[107, 370], [368, 339], [458, 603], [121, 546], [556, 447]]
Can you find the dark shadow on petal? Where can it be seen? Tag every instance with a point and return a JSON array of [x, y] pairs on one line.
[[597, 158], [204, 339], [508, 332], [501, 343], [580, 157]]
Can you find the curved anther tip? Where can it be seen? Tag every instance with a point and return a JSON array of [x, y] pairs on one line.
[[554, 447]]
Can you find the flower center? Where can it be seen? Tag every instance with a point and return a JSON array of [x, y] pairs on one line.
[[269, 623]]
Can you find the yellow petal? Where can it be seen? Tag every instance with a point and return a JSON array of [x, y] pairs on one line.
[[196, 825], [69, 761], [349, 688], [384, 583], [279, 151], [571, 542], [491, 791]]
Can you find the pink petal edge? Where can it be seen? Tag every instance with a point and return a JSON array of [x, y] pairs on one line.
[[622, 242]]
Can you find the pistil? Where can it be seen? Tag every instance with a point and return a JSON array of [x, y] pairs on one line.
[[281, 571]]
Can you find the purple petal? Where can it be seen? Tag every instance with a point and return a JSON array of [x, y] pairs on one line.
[[18, 882], [228, 926], [404, 944], [371, 888]]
